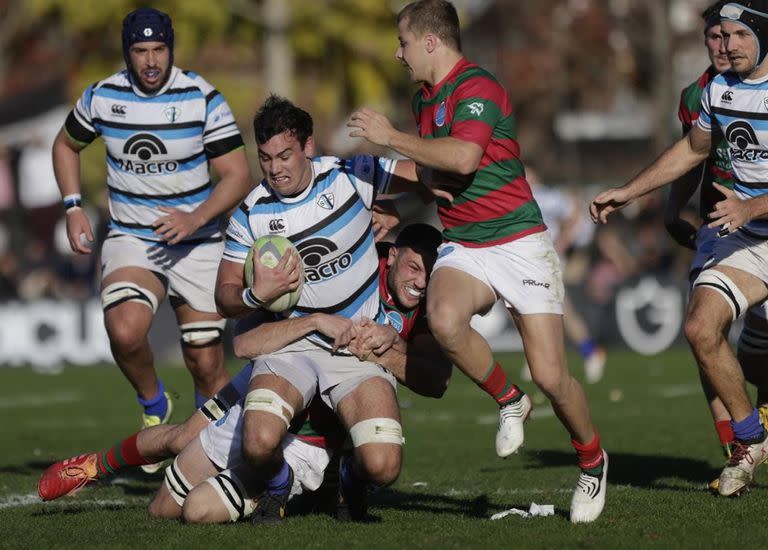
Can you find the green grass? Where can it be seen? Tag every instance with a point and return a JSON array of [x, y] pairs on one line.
[[650, 412]]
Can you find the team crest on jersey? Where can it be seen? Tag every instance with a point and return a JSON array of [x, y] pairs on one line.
[[396, 320], [476, 108], [440, 114], [326, 201], [172, 113], [765, 103]]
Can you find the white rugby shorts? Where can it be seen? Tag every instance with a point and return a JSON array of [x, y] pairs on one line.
[[190, 269], [525, 273]]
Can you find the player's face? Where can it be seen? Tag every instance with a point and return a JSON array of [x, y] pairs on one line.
[[713, 39], [741, 46], [407, 277], [286, 164], [150, 64], [410, 51]]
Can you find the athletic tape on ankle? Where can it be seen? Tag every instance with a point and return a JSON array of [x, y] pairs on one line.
[[377, 430], [723, 284], [268, 401]]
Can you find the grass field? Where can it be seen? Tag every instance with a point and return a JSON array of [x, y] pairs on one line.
[[652, 418]]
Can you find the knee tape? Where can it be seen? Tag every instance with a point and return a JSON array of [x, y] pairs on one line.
[[176, 483], [723, 284], [202, 333], [115, 294], [232, 495], [268, 401], [377, 430]]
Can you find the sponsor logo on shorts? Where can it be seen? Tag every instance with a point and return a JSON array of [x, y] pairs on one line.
[[223, 419], [531, 282]]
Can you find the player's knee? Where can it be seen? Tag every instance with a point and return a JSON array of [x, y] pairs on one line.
[[164, 508], [260, 444], [698, 332], [378, 444], [129, 337], [197, 509], [446, 326], [382, 465]]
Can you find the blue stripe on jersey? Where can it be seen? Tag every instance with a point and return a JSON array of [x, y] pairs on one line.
[[122, 133], [116, 196], [183, 167], [744, 188], [342, 222], [235, 248], [352, 309], [148, 233], [760, 125], [215, 102], [127, 95], [319, 188], [88, 98]]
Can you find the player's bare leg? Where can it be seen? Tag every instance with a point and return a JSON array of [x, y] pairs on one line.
[[709, 316], [263, 433], [453, 297], [203, 351], [188, 470], [372, 416]]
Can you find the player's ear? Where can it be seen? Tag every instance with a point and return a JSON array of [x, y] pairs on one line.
[[430, 42], [309, 147], [392, 256]]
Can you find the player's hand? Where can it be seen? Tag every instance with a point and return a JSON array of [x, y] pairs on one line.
[[371, 125], [385, 218], [342, 330], [79, 231], [607, 202], [271, 282], [731, 213], [682, 232], [176, 225], [373, 338], [442, 185]]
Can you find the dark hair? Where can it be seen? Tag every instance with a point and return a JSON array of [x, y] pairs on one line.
[[436, 16], [278, 115], [421, 237], [711, 15]]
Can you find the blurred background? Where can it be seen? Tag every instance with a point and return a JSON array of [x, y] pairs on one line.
[[595, 84]]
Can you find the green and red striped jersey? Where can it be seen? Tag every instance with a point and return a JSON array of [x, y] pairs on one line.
[[497, 206], [718, 165]]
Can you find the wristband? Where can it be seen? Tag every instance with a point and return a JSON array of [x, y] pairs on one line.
[[73, 201], [251, 300]]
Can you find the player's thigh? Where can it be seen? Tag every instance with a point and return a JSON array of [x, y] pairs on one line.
[[374, 397], [544, 345], [456, 295]]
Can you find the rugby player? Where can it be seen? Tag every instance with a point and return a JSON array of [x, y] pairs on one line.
[[163, 128]]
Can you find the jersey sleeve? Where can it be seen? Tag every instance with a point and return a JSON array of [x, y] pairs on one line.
[[370, 175], [477, 110], [706, 117], [220, 132], [79, 124], [240, 238], [684, 114]]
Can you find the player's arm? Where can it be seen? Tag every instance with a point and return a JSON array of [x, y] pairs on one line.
[[446, 153], [234, 184], [419, 364], [680, 158], [66, 167], [680, 193]]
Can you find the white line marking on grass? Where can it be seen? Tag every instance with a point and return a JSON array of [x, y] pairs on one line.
[[17, 501], [40, 400], [679, 390], [14, 501]]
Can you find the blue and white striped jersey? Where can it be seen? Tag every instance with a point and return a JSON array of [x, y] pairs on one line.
[[158, 146], [739, 108], [330, 225]]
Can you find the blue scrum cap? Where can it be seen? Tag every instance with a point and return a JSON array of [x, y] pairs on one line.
[[146, 25], [753, 14]]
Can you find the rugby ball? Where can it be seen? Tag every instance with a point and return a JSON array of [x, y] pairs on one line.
[[269, 249]]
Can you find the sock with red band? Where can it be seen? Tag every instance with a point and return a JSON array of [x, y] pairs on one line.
[[496, 385], [124, 454], [590, 455], [725, 435]]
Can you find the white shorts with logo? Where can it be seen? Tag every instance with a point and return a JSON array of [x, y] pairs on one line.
[[737, 250], [525, 273], [310, 368], [222, 442], [189, 268]]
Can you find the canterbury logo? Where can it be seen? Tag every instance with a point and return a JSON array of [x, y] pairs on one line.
[[276, 225], [118, 110], [727, 96], [145, 146]]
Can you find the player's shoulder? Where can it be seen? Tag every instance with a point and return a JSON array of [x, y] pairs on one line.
[[727, 79], [258, 197], [191, 79], [116, 81]]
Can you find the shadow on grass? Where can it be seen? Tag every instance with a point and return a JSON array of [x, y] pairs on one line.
[[638, 470]]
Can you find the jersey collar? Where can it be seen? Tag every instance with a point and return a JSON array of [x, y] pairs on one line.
[[431, 91], [174, 73]]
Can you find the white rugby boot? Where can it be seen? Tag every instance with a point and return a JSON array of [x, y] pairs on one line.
[[740, 468], [589, 497], [510, 436]]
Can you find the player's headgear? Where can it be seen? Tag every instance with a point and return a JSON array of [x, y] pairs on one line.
[[421, 237], [146, 25], [752, 14], [711, 15]]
